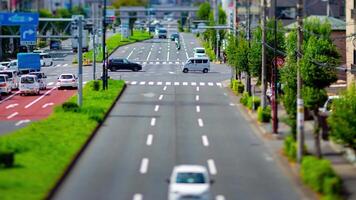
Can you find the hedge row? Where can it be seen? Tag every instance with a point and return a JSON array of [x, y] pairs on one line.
[[237, 86], [251, 102], [264, 114]]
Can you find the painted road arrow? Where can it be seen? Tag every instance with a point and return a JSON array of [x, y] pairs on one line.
[[22, 122], [47, 104], [12, 105]]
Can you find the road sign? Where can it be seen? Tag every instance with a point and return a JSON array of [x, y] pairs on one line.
[[29, 61], [28, 35], [18, 19]]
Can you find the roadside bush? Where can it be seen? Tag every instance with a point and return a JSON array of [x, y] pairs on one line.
[[319, 175], [290, 147], [70, 107], [244, 98], [237, 86], [96, 86], [7, 158], [253, 102], [264, 115]]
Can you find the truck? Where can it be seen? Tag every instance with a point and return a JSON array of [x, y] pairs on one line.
[[28, 62], [85, 38]]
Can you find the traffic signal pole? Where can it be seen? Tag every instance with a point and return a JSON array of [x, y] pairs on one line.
[[274, 76], [105, 75], [80, 60]]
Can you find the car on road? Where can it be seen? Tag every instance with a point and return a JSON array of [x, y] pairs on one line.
[[197, 64], [4, 64], [13, 65], [55, 45], [123, 64], [29, 85], [5, 84], [13, 78], [189, 182], [67, 81], [162, 33], [46, 59], [174, 36], [199, 52], [42, 79]]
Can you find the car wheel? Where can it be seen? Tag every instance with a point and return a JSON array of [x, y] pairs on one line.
[[205, 70], [185, 70], [135, 69]]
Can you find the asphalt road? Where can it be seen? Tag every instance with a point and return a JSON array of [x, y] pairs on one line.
[[166, 118]]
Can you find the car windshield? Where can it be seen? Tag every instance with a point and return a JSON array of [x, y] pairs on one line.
[[9, 74], [190, 178], [200, 51], [27, 79], [162, 31], [68, 76]]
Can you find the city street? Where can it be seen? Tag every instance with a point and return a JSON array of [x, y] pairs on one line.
[[166, 118]]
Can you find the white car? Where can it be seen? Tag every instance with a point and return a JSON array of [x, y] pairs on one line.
[[46, 59], [67, 80], [13, 78], [13, 65], [29, 85], [189, 182], [199, 52], [197, 64], [5, 85], [42, 79], [327, 108]]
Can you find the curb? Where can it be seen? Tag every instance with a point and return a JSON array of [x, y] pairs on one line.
[[66, 172]]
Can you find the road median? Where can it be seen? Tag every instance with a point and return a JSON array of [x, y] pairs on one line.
[[46, 150]]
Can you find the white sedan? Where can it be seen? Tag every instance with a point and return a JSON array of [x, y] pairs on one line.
[[67, 81], [189, 182]]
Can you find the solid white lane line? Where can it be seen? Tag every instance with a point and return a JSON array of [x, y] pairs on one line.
[[200, 122], [130, 53], [149, 140], [196, 97], [156, 108], [12, 115], [160, 97], [148, 57], [50, 83], [198, 88], [153, 121], [212, 167], [22, 122], [39, 98], [205, 140], [198, 108], [165, 88], [144, 166], [168, 55], [9, 97], [219, 197], [12, 105], [137, 197]]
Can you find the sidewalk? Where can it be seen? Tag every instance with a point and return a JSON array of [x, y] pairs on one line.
[[342, 167]]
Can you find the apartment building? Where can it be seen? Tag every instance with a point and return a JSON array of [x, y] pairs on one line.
[[350, 41]]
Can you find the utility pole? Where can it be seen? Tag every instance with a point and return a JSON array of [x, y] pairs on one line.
[[274, 76], [79, 20], [94, 54], [264, 56], [105, 75], [216, 19], [300, 103], [248, 36]]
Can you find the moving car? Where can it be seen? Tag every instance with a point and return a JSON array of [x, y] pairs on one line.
[[13, 65], [199, 52], [29, 85], [55, 44], [67, 80], [189, 182], [5, 85], [197, 64], [174, 36], [162, 33], [13, 78], [46, 59], [119, 64], [42, 79]]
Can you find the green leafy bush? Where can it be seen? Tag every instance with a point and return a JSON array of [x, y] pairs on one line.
[[237, 86], [290, 147], [253, 102], [264, 115], [319, 175], [96, 85], [7, 158], [70, 107], [244, 98]]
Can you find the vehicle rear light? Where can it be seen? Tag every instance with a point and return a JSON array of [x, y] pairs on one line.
[[2, 84], [73, 80], [59, 81]]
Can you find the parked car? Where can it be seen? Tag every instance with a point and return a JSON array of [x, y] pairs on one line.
[[13, 78], [123, 64], [197, 64], [42, 79], [29, 85], [189, 182], [324, 113], [5, 84], [67, 81], [327, 108], [46, 59], [199, 52]]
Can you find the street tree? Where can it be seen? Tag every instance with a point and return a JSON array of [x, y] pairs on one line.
[[119, 3], [204, 11]]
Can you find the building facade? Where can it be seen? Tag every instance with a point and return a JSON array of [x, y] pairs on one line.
[[350, 41]]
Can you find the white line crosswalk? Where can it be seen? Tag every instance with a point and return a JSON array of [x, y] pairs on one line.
[[160, 83]]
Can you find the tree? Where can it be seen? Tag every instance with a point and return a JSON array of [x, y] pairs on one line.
[[342, 120], [318, 70], [119, 3], [204, 11]]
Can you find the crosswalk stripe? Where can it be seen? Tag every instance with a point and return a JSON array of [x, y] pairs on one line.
[[185, 83], [177, 62], [58, 65], [210, 84], [201, 83], [164, 62], [168, 83], [157, 62], [176, 83], [219, 84], [65, 65], [193, 83], [142, 82], [151, 62], [144, 63], [159, 83], [170, 62], [133, 82], [50, 83], [150, 83]]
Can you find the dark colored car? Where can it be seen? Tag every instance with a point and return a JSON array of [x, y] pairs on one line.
[[55, 45], [174, 36], [123, 64]]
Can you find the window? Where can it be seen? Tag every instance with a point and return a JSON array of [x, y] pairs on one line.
[[190, 178], [9, 74], [126, 61], [354, 62], [200, 51], [118, 61], [2, 79], [205, 61], [27, 80], [198, 61], [286, 12], [67, 76]]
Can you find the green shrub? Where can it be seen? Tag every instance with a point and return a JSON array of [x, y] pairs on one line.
[[319, 175], [42, 44], [290, 147], [264, 115], [237, 86], [244, 98], [7, 158], [253, 102], [70, 107], [96, 86]]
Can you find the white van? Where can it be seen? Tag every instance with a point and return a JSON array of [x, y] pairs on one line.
[[29, 85], [5, 85], [46, 59], [13, 78], [197, 64], [199, 52]]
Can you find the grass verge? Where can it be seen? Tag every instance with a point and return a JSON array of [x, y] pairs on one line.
[[115, 41], [44, 149]]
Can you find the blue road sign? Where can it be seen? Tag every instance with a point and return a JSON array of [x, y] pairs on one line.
[[29, 61], [28, 35], [18, 19]]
